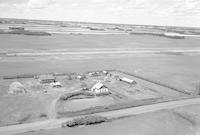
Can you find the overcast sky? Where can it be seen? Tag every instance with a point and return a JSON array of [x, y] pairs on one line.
[[158, 12]]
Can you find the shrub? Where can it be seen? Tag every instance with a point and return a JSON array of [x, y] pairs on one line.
[[87, 120], [68, 96], [42, 115]]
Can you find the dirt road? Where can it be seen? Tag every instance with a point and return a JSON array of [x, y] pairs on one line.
[[56, 123], [52, 109], [103, 51]]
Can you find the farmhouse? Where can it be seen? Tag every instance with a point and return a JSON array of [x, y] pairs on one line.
[[100, 88], [56, 84], [46, 79]]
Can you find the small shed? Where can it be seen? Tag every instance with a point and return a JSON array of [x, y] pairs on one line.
[[100, 88], [103, 72], [80, 77], [47, 78], [94, 74]]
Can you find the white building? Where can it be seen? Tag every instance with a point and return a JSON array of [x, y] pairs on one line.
[[80, 77], [100, 88], [128, 80], [56, 84], [44, 79]]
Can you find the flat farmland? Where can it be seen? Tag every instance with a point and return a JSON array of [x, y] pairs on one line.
[[148, 56]]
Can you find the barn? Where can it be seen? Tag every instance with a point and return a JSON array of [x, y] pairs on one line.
[[47, 79]]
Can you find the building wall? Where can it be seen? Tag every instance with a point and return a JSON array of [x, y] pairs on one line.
[[47, 81], [102, 90]]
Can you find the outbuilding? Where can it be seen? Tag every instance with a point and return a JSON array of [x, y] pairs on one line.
[[127, 80], [80, 77], [47, 78]]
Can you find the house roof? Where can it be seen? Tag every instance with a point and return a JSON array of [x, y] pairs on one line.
[[55, 83], [46, 77], [127, 80], [98, 86]]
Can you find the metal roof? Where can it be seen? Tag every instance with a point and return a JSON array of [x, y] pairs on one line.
[[46, 77], [127, 80], [98, 86]]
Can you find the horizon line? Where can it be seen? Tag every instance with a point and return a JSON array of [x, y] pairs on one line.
[[99, 22]]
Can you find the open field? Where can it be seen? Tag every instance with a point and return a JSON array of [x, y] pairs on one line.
[[174, 62], [63, 27], [61, 41], [178, 70], [179, 121], [183, 115]]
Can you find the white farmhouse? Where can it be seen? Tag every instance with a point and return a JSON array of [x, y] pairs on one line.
[[56, 84], [100, 88]]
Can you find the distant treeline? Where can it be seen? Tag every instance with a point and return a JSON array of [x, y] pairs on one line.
[[25, 32], [19, 76], [157, 34]]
